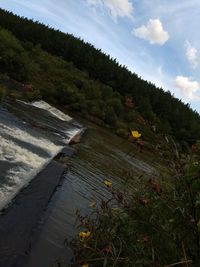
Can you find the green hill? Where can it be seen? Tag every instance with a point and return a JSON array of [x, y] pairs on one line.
[[66, 71]]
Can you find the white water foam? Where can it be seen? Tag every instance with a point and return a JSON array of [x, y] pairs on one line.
[[24, 136], [24, 151], [54, 111], [70, 133], [26, 163]]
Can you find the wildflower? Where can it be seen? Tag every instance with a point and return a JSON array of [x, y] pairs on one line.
[[155, 185], [119, 196], [144, 201], [92, 205], [146, 239], [84, 235], [108, 183], [85, 265], [136, 134]]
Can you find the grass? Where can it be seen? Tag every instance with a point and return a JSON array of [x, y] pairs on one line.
[[153, 223]]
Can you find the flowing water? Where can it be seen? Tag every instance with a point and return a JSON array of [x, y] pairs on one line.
[[29, 142]]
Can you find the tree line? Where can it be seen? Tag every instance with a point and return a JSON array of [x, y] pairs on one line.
[[156, 106]]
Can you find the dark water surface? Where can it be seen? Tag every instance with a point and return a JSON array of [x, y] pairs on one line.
[[33, 234], [101, 156], [19, 222], [31, 135]]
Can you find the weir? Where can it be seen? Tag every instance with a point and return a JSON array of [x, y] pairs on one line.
[[32, 135], [27, 145]]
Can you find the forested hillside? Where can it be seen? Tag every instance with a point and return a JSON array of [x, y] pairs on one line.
[[75, 73]]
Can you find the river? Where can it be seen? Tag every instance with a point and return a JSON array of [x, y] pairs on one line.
[[32, 134], [100, 156]]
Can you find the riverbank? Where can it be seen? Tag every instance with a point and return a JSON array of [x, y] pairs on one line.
[[19, 223], [101, 156], [31, 237]]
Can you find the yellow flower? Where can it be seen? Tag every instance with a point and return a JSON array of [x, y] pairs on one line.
[[136, 134], [92, 205], [85, 265], [84, 235], [108, 183]]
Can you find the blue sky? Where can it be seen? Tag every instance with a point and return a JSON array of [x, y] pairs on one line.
[[157, 39]]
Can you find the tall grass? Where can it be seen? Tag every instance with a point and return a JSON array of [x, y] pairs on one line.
[[148, 223]]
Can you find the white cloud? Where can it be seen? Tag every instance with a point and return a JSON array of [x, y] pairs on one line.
[[117, 8], [187, 87], [152, 32], [191, 54]]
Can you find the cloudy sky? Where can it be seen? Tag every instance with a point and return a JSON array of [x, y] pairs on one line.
[[157, 39]]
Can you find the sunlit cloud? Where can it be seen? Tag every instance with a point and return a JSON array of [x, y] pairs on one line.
[[152, 32], [188, 87]]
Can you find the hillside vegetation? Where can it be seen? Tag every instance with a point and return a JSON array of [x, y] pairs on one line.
[[67, 71]]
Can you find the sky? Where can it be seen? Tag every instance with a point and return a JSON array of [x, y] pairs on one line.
[[157, 39]]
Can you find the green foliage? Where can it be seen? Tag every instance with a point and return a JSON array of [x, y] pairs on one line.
[[13, 58]]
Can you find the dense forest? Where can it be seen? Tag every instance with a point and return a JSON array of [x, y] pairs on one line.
[[66, 70]]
